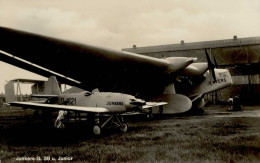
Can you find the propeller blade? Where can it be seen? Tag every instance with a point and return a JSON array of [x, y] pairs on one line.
[[213, 75], [215, 61], [211, 66]]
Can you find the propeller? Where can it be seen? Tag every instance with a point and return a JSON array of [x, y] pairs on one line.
[[215, 61], [211, 65]]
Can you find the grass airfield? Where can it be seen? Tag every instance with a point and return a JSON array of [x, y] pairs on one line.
[[216, 136]]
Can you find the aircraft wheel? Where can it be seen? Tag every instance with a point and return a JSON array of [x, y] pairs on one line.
[[124, 127], [96, 130], [149, 116]]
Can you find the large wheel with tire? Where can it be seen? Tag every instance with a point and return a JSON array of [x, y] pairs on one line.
[[97, 130], [124, 127]]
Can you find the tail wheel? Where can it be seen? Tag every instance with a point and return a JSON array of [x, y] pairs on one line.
[[124, 127], [97, 130]]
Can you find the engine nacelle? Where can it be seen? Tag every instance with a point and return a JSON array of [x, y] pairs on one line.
[[195, 69], [177, 63]]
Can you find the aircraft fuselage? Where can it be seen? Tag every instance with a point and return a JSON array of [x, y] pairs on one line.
[[115, 102], [223, 79]]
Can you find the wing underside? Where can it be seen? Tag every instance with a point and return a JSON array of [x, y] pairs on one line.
[[55, 107], [94, 67]]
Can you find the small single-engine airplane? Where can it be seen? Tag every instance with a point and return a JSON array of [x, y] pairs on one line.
[[95, 103], [180, 81]]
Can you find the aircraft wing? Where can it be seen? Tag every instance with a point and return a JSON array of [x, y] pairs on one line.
[[44, 96], [56, 107], [92, 66]]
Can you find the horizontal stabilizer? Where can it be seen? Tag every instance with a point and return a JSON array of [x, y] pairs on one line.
[[55, 107]]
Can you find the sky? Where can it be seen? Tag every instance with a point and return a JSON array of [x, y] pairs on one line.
[[121, 24]]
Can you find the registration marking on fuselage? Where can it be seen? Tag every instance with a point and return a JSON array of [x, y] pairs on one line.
[[115, 103], [69, 101]]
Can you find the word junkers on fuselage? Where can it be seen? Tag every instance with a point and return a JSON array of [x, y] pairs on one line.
[[95, 103], [182, 82]]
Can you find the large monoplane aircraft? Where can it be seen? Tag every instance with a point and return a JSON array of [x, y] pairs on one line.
[[89, 67]]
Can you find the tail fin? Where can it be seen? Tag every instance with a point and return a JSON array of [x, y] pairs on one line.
[[52, 86]]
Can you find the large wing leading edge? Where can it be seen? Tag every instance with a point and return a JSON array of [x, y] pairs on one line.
[[93, 66], [50, 50]]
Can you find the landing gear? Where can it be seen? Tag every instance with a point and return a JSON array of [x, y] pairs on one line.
[[160, 110], [150, 113], [124, 127], [97, 130], [115, 120], [59, 123]]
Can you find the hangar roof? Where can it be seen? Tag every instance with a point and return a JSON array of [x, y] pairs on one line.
[[196, 45]]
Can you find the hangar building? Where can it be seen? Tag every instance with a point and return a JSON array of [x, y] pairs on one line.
[[240, 55], [2, 99]]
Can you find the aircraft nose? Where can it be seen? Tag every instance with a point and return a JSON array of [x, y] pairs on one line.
[[229, 78]]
